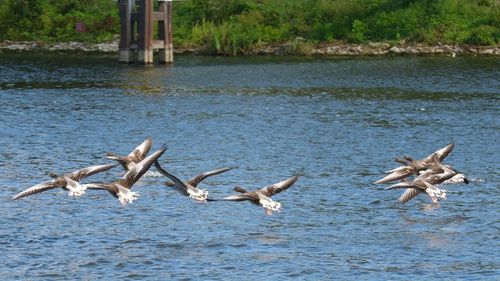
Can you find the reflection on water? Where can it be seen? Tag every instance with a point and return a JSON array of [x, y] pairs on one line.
[[338, 123]]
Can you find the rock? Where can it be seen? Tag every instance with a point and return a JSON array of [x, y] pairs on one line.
[[377, 45], [106, 47], [337, 48], [487, 51], [18, 46], [396, 50], [413, 51]]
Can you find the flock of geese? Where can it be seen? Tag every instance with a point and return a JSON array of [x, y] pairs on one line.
[[427, 174], [136, 164]]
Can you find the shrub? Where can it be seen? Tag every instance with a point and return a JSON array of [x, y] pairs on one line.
[[484, 35], [358, 31], [232, 25]]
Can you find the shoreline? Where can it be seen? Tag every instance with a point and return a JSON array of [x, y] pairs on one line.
[[297, 48]]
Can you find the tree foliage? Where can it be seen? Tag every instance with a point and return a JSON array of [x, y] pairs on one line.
[[56, 20], [232, 25]]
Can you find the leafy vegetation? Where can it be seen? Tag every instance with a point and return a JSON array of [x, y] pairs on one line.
[[229, 26], [56, 20]]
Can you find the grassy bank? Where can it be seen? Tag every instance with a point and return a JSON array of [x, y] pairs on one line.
[[233, 26]]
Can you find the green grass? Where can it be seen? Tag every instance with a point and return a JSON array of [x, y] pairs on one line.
[[231, 26]]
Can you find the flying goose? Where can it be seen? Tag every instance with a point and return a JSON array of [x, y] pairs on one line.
[[425, 182], [457, 177], [134, 157], [416, 187], [413, 167], [263, 196], [121, 188], [190, 188], [68, 181]]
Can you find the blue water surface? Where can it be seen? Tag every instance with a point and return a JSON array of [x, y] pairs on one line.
[[336, 123]]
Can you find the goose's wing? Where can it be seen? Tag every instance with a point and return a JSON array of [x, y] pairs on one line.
[[142, 150], [278, 187], [242, 196], [41, 187], [404, 184], [124, 161], [441, 153], [396, 175], [237, 197], [177, 183], [398, 169], [409, 194], [440, 178], [70, 183], [427, 184], [134, 174], [444, 152], [89, 171], [438, 172], [102, 186], [199, 178]]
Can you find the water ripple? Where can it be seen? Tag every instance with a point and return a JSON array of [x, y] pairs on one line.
[[336, 123]]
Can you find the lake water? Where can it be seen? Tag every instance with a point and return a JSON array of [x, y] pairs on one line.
[[337, 123]]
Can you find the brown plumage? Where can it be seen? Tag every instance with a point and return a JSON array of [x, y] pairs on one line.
[[134, 157], [263, 196], [122, 188], [413, 167], [68, 181], [440, 154], [403, 172], [190, 188], [425, 182]]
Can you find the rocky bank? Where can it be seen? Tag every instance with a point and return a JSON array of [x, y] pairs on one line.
[[297, 48]]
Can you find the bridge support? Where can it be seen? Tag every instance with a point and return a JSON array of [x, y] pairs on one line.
[[165, 32], [136, 35], [125, 53]]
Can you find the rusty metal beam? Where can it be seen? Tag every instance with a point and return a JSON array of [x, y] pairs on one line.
[[125, 55], [145, 30], [165, 33]]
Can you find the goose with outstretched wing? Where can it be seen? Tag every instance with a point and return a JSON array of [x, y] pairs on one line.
[[263, 196], [413, 167], [69, 181], [190, 188], [426, 181], [121, 188]]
